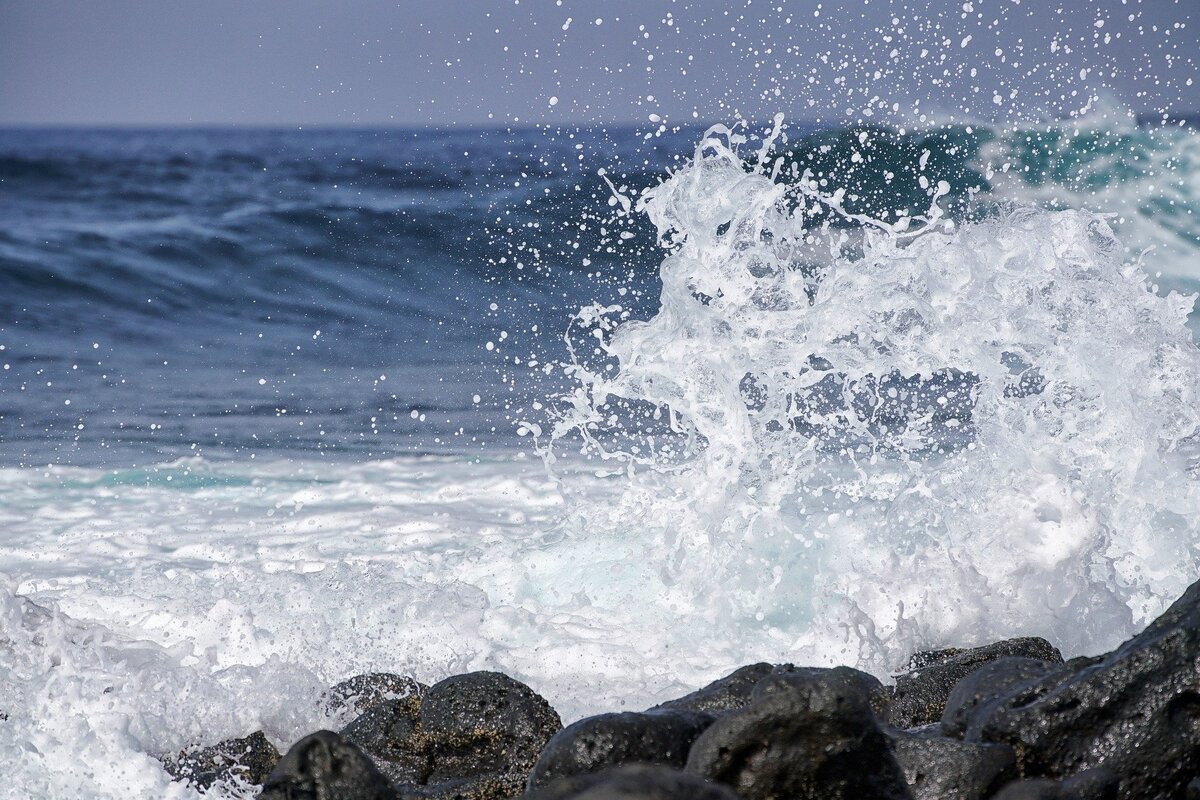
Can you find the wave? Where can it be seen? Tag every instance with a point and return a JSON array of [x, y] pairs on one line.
[[946, 427]]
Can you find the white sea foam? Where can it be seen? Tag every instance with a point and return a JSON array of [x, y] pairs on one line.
[[932, 433]]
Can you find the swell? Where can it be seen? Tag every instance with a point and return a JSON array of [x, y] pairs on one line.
[[246, 220]]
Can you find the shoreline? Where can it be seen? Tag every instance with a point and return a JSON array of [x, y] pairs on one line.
[[1012, 720]]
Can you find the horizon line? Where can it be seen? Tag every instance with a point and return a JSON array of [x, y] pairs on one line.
[[1191, 117]]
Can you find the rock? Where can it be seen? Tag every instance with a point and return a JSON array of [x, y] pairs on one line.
[[250, 759], [389, 733], [634, 782], [591, 745], [1193, 790], [806, 734], [985, 685], [724, 694], [1094, 784], [921, 693], [355, 696], [938, 768], [734, 690], [485, 723], [1135, 711], [470, 736], [323, 766]]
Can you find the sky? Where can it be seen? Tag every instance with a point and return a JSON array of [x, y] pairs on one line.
[[506, 62]]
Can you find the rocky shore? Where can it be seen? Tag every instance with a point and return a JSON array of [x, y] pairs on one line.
[[1011, 721]]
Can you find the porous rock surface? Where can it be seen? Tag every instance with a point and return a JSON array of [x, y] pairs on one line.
[[939, 768], [250, 758], [357, 695], [591, 745], [1134, 712], [471, 736], [323, 766], [634, 782], [921, 692], [806, 735]]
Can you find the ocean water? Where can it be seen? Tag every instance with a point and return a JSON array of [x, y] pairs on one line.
[[611, 410]]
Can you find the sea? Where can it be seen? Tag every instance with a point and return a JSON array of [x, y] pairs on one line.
[[613, 410]]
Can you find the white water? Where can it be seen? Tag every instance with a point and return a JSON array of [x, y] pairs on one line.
[[822, 497], [201, 600]]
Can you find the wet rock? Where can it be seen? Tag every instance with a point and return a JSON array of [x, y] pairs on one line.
[[323, 766], [734, 691], [594, 744], [724, 694], [359, 694], [485, 723], [939, 768], [921, 693], [1135, 711], [389, 733], [634, 782], [250, 759], [471, 736], [807, 734], [985, 685], [1094, 784]]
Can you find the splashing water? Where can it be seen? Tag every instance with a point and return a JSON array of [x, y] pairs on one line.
[[863, 419], [910, 434]]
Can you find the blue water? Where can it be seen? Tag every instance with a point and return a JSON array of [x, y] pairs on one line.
[[235, 292], [162, 291]]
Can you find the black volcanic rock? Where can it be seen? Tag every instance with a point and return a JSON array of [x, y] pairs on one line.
[[323, 766], [724, 694], [250, 758], [805, 735], [922, 692], [735, 690], [939, 768], [985, 685], [1093, 784], [1135, 711], [359, 694], [594, 744], [388, 732], [488, 723], [634, 782], [470, 736]]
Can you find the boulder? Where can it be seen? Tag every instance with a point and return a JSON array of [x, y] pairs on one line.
[[985, 685], [389, 733], [323, 766], [921, 692], [594, 744], [250, 759], [1135, 711], [355, 696], [939, 768], [470, 736], [485, 723], [634, 782], [724, 694], [734, 691], [809, 734], [1094, 784]]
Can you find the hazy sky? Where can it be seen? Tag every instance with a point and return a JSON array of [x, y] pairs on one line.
[[289, 62]]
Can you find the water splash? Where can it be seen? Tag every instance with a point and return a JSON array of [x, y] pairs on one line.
[[905, 434]]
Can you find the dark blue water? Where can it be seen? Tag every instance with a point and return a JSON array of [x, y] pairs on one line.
[[229, 292], [238, 293]]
